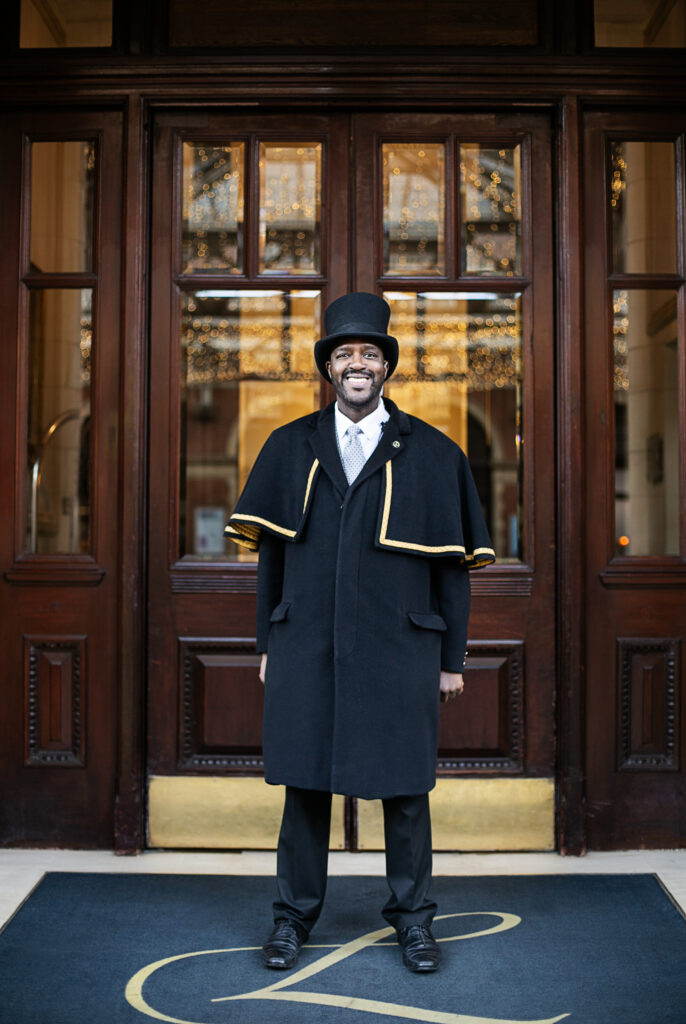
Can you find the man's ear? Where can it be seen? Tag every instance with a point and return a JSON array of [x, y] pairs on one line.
[[385, 367]]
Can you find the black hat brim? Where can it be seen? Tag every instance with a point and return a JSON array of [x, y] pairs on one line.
[[324, 347]]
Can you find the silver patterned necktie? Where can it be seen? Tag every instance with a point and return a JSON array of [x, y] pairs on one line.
[[352, 453]]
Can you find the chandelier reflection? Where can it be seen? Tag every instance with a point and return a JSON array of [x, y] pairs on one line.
[[620, 331], [240, 335]]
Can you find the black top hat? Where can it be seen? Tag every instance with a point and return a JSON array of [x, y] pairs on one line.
[[358, 315]]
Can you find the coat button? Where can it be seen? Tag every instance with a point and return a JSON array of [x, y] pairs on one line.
[[396, 444]]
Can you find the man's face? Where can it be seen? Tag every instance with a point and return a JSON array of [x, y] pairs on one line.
[[357, 370]]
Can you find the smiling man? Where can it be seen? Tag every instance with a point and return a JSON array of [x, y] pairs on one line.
[[366, 521]]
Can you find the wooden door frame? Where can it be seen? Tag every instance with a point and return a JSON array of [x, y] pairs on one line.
[[129, 800], [55, 599], [130, 816], [568, 803], [178, 586], [632, 596], [571, 494]]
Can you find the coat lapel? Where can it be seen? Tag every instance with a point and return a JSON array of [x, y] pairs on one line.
[[323, 442]]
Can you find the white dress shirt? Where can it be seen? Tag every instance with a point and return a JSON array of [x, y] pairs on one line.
[[370, 426]]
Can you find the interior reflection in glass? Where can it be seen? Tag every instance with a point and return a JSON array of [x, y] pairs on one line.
[[646, 376], [290, 208], [644, 23], [58, 458], [460, 369], [213, 202], [62, 190], [491, 209], [643, 207], [413, 208], [246, 368], [74, 23]]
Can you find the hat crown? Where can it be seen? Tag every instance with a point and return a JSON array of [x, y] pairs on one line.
[[357, 313]]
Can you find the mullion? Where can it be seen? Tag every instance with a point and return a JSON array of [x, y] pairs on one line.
[[55, 279], [465, 284], [455, 222]]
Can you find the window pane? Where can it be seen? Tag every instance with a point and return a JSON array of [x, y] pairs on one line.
[[643, 204], [491, 213], [67, 23], [247, 367], [213, 202], [640, 23], [58, 460], [460, 369], [646, 378], [62, 191], [413, 208], [290, 208]]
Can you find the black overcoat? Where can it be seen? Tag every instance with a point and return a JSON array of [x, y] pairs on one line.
[[363, 596]]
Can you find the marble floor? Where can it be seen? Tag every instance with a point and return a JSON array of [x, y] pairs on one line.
[[21, 870]]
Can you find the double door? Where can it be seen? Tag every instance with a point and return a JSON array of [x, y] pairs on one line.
[[258, 223]]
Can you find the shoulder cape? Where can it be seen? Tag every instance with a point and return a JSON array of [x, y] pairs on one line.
[[429, 505]]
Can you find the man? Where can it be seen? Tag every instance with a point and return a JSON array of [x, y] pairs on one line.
[[366, 521]]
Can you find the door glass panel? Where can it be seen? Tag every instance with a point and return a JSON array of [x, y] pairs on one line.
[[490, 184], [213, 190], [413, 208], [643, 23], [290, 208], [247, 367], [67, 23], [646, 381], [643, 204], [460, 368], [62, 197], [58, 459]]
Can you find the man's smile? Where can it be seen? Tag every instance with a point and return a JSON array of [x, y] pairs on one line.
[[358, 379]]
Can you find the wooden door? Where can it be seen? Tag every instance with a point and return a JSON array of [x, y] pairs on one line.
[[61, 188], [636, 541], [249, 242], [461, 249], [449, 218]]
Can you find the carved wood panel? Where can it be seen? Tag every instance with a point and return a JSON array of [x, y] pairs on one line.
[[221, 705], [483, 730], [54, 674], [648, 675]]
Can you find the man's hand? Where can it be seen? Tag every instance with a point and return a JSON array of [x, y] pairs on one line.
[[263, 668], [452, 684]]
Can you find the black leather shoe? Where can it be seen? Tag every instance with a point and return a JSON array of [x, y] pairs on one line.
[[420, 949], [282, 948]]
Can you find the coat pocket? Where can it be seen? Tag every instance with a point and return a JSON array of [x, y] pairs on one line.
[[280, 613], [427, 620]]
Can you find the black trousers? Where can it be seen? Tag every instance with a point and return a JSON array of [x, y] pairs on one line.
[[304, 849]]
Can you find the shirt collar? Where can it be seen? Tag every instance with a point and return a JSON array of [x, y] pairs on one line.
[[370, 425]]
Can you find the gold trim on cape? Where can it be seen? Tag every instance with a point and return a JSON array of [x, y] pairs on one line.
[[309, 482], [249, 536], [407, 545]]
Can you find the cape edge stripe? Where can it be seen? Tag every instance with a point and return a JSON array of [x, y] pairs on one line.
[[410, 545], [265, 522], [237, 538], [309, 483]]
